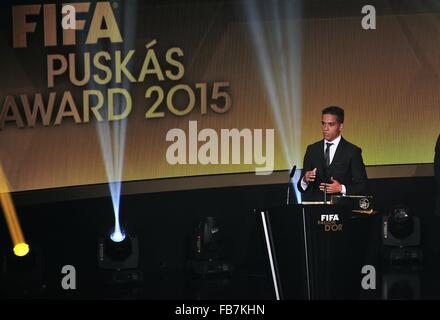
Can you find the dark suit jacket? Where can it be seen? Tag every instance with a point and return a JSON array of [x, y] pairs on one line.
[[437, 173], [347, 168]]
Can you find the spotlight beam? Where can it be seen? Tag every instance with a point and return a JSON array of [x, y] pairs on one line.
[[21, 248], [278, 46], [112, 136]]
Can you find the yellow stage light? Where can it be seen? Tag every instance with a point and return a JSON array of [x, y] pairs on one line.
[[21, 249], [20, 246]]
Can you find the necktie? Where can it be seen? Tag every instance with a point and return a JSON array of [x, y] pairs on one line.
[[327, 154]]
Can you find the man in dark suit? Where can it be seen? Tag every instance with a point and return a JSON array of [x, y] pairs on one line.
[[332, 164], [437, 174]]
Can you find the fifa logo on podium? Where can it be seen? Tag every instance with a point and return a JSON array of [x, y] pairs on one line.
[[329, 217], [330, 222]]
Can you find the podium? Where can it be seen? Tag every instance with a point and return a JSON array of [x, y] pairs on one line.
[[316, 250]]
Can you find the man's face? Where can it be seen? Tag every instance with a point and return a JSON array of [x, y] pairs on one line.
[[331, 128]]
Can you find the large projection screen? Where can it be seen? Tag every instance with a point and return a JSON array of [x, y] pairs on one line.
[[202, 64]]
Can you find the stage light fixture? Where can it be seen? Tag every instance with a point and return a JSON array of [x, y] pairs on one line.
[[122, 254], [401, 225], [118, 235], [401, 236], [21, 249], [401, 228], [206, 251], [120, 263]]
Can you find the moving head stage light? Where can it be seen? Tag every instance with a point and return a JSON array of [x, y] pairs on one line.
[[121, 259], [206, 250], [401, 236]]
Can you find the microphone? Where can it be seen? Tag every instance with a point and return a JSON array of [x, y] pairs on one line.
[[292, 173]]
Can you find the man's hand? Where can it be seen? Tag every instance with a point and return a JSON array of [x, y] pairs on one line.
[[334, 187], [310, 176]]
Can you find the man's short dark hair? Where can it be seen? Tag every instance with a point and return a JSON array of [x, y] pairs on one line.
[[334, 110]]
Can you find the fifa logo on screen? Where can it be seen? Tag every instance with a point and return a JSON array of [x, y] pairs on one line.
[[70, 23], [330, 222]]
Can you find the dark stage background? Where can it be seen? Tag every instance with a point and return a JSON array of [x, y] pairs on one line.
[[67, 233]]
